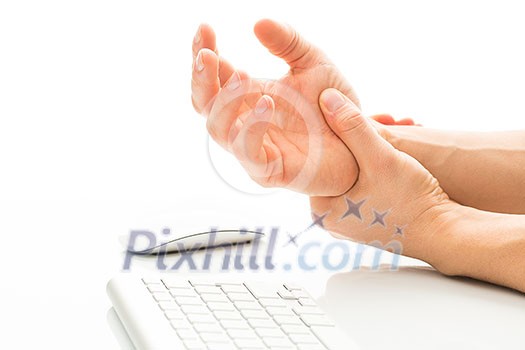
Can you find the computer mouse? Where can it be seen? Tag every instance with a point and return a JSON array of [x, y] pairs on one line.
[[146, 242]]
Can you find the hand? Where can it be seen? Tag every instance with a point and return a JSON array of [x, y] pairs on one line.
[[275, 128], [394, 198], [387, 119]]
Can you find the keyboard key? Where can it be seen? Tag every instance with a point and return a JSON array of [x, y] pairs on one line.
[[304, 338], [175, 283], [249, 343], [168, 305], [228, 315], [220, 346], [208, 327], [273, 341], [272, 302], [151, 280], [208, 289], [270, 332], [241, 333], [217, 306], [262, 290], [248, 305], [182, 292], [180, 324], [162, 296], [316, 320], [233, 288], [259, 323], [196, 283], [307, 302], [188, 301], [234, 324], [286, 294], [156, 288], [284, 311], [293, 329], [293, 320], [240, 296], [207, 297], [187, 334], [214, 337], [200, 318], [307, 310], [292, 286], [194, 309], [194, 344], [249, 314], [174, 315], [313, 347]]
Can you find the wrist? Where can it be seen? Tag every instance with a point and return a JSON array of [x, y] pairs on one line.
[[449, 233], [464, 240]]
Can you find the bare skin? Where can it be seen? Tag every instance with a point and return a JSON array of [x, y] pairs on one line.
[[284, 150], [455, 239], [397, 170]]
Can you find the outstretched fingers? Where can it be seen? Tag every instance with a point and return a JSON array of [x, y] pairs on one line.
[[205, 38], [252, 145], [285, 42], [228, 107], [204, 80]]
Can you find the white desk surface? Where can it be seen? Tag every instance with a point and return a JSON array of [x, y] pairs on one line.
[[53, 294]]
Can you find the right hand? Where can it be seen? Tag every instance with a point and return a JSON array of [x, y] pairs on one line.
[[264, 123]]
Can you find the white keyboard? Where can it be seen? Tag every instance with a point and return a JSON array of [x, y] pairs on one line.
[[175, 313]]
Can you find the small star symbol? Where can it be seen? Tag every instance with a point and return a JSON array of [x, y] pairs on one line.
[[399, 230], [379, 218], [318, 220], [353, 209], [292, 239]]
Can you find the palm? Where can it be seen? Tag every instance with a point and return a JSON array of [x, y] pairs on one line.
[[288, 141], [296, 149]]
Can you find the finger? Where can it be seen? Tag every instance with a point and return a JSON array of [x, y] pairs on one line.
[[226, 109], [347, 122], [248, 145], [225, 70], [385, 119], [205, 38], [204, 82], [284, 42], [405, 121]]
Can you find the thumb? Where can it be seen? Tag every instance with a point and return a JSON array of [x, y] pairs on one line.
[[347, 122], [284, 42]]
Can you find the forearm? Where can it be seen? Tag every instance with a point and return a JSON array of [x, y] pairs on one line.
[[481, 170], [483, 245]]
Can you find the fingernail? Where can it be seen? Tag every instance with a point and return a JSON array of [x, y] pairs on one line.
[[234, 82], [333, 100], [197, 37], [199, 63], [261, 106]]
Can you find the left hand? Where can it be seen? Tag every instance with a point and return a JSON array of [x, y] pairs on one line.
[[393, 189]]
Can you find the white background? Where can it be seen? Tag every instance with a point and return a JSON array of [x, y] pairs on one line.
[[97, 133]]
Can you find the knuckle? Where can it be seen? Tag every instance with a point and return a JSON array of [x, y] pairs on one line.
[[211, 126], [351, 121], [195, 105]]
